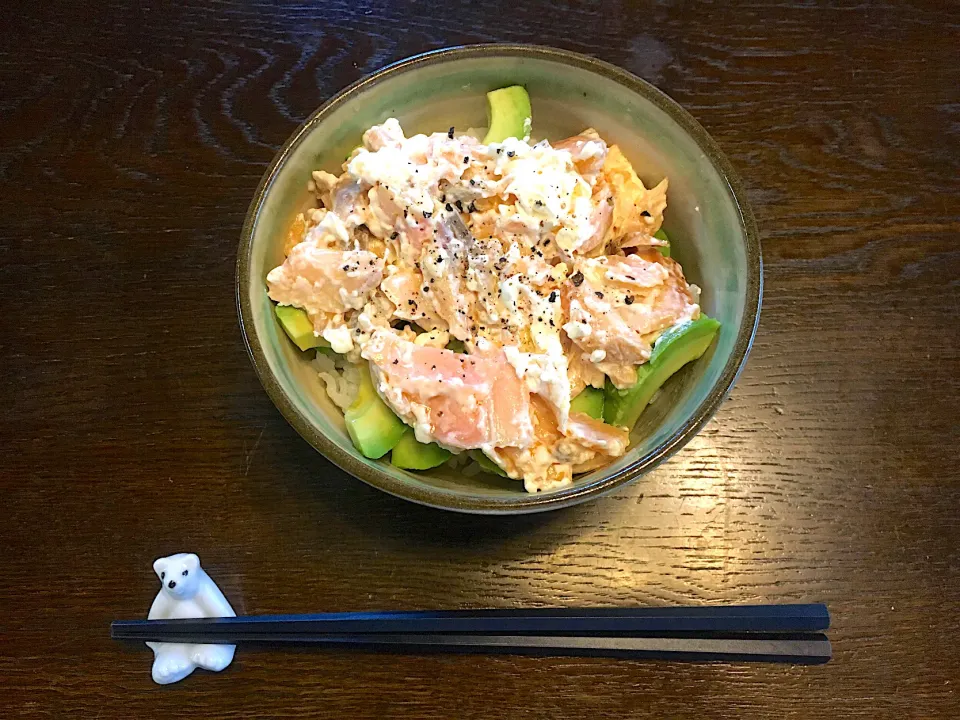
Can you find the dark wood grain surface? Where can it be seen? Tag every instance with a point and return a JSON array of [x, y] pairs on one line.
[[132, 137]]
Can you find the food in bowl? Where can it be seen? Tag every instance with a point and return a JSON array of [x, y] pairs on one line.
[[494, 301]]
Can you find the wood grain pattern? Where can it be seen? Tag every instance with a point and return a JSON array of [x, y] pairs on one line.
[[132, 425]]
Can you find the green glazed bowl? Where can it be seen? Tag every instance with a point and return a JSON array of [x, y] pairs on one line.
[[712, 228]]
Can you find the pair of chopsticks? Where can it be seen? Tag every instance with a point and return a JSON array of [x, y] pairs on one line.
[[758, 633]]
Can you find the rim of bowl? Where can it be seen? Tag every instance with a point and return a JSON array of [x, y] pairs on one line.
[[523, 502]]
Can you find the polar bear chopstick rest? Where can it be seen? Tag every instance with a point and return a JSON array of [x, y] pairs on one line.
[[186, 591]]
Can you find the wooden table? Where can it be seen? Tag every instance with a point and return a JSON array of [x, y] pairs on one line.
[[131, 140]]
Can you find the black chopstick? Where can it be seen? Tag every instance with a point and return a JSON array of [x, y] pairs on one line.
[[807, 649], [566, 621]]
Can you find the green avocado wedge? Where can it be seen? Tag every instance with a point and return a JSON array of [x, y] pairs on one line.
[[296, 324], [675, 348], [661, 234], [508, 114], [411, 454], [373, 427], [487, 464], [590, 402]]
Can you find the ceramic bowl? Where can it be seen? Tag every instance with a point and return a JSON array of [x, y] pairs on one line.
[[713, 232]]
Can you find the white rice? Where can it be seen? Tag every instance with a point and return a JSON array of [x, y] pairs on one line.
[[341, 378]]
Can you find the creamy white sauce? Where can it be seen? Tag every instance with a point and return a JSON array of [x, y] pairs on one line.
[[339, 339]]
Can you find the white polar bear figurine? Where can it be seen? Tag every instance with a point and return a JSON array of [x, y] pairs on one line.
[[186, 591]]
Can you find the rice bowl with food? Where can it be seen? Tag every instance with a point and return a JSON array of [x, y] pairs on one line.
[[500, 304]]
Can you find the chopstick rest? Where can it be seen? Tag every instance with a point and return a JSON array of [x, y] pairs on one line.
[[186, 592]]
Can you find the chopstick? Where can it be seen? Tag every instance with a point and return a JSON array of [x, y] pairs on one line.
[[815, 649], [568, 621], [784, 633]]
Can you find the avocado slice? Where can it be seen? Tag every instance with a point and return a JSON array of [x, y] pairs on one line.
[[590, 402], [296, 323], [661, 234], [411, 454], [674, 349], [508, 114], [487, 464], [373, 427]]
